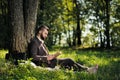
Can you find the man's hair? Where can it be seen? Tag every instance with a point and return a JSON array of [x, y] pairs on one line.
[[42, 27]]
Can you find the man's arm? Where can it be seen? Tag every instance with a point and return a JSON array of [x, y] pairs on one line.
[[53, 56], [33, 52]]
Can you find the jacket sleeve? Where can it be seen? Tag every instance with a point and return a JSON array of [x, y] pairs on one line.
[[34, 51]]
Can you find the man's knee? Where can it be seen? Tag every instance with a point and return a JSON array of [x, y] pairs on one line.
[[66, 62], [69, 61], [53, 63]]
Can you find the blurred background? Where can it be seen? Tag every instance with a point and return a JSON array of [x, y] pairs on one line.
[[83, 23]]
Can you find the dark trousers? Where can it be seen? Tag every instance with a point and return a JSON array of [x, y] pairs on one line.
[[66, 63]]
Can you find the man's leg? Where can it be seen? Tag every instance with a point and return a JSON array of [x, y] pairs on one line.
[[52, 63], [70, 64]]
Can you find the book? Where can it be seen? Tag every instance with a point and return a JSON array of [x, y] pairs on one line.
[[57, 54]]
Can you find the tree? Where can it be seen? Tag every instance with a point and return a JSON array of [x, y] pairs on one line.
[[22, 18], [78, 33], [101, 12], [107, 32], [4, 29], [115, 32]]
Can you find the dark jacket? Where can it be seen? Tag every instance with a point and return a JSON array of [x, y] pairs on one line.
[[38, 51]]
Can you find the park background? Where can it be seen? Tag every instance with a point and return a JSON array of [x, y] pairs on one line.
[[88, 31]]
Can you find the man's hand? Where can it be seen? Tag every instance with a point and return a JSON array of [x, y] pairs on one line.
[[50, 57], [53, 56]]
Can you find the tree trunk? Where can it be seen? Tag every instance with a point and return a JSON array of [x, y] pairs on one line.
[[30, 13], [78, 25], [78, 31], [107, 24], [69, 37], [40, 19], [17, 26], [74, 37], [22, 21]]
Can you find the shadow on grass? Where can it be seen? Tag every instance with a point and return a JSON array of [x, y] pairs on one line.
[[108, 61]]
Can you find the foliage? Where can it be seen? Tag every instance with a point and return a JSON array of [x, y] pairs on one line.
[[5, 31], [60, 16], [63, 20], [108, 61]]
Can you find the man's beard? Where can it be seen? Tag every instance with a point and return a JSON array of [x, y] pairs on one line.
[[41, 36]]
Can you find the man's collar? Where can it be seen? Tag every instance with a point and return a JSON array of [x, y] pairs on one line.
[[40, 39]]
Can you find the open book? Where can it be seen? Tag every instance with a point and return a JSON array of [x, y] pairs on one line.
[[57, 54]]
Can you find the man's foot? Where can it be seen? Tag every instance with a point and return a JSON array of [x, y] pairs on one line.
[[93, 69]]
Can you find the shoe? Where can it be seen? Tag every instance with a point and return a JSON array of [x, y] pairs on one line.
[[92, 69]]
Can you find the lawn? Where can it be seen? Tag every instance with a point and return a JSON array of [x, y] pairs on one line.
[[108, 61]]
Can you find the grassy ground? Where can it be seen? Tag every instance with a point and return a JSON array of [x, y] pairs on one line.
[[108, 61]]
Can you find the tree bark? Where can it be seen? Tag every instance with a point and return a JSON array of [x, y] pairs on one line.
[[30, 13], [74, 37], [22, 21], [78, 31], [78, 25], [107, 24], [17, 26]]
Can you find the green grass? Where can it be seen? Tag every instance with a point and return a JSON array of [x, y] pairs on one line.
[[108, 61]]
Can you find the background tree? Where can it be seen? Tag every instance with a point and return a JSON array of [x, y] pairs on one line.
[[107, 31], [4, 29], [115, 24], [78, 33], [65, 19]]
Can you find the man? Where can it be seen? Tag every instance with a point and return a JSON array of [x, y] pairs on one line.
[[41, 57]]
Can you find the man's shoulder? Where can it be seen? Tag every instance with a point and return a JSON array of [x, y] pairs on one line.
[[35, 40]]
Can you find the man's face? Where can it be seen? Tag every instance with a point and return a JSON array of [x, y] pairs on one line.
[[44, 34]]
